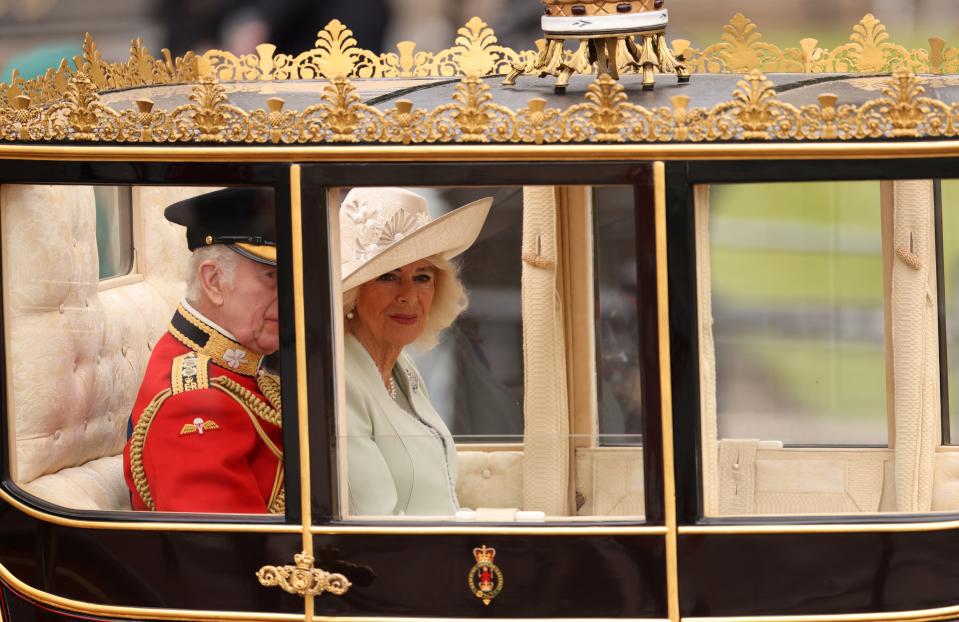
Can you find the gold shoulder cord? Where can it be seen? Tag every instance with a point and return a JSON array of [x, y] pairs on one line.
[[270, 388], [255, 408], [277, 504], [137, 441]]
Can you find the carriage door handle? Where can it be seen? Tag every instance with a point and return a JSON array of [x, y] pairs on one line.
[[303, 579]]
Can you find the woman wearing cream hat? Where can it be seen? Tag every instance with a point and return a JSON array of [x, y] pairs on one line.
[[400, 289]]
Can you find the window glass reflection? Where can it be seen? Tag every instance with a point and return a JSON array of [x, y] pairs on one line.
[[620, 403], [797, 301]]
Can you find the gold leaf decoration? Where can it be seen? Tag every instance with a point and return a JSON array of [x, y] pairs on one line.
[[404, 124], [869, 51], [144, 125], [739, 50], [81, 115], [274, 125], [21, 122], [906, 113], [538, 124], [476, 51], [753, 113], [92, 65], [210, 117], [607, 114], [340, 112], [472, 115]]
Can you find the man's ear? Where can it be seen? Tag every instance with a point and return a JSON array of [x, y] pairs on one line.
[[211, 281]]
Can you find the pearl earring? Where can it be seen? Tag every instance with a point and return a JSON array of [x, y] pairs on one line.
[[350, 315]]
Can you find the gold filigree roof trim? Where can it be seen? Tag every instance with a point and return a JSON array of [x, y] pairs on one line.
[[869, 50], [475, 51], [606, 116]]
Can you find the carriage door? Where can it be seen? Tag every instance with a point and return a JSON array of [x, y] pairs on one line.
[[817, 384], [548, 385]]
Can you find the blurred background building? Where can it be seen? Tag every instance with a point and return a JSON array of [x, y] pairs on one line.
[[35, 34]]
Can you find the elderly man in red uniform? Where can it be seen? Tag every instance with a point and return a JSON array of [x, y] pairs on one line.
[[206, 431]]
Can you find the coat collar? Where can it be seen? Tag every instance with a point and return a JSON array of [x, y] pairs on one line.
[[196, 332], [407, 378]]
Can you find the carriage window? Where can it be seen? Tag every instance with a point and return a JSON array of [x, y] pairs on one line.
[[119, 398], [797, 304], [522, 407], [475, 372], [793, 304], [114, 222], [620, 408]]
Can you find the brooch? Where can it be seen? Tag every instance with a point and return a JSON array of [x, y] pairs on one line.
[[414, 381]]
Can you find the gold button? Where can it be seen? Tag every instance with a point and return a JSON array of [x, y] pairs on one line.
[[209, 239]]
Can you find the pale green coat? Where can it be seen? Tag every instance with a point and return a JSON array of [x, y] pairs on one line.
[[397, 464]]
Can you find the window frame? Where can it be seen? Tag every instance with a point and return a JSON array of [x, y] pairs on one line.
[[176, 174], [318, 178], [681, 179]]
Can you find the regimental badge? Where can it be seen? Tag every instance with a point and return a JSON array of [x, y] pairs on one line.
[[199, 426], [485, 578]]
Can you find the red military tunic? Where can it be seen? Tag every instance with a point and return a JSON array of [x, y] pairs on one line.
[[206, 426]]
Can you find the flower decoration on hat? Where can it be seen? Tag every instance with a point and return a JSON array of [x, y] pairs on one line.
[[374, 232], [382, 229]]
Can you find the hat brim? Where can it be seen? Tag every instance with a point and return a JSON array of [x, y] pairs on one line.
[[447, 236]]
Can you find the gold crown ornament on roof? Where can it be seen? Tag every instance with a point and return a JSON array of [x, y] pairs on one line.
[[613, 36], [589, 8]]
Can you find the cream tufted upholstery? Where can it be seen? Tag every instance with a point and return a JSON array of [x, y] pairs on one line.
[[75, 354], [490, 479]]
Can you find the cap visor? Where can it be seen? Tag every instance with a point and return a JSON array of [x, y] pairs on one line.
[[257, 252]]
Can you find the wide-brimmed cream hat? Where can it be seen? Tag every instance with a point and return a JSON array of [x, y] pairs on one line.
[[382, 229]]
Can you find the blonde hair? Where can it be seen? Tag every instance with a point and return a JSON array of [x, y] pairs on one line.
[[225, 260], [449, 300]]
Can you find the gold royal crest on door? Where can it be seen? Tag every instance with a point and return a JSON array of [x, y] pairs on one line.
[[485, 578]]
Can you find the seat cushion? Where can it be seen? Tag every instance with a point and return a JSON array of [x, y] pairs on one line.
[[96, 485]]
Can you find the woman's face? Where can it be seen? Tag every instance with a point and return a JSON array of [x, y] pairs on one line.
[[392, 310]]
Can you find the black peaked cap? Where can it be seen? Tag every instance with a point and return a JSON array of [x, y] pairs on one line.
[[229, 216]]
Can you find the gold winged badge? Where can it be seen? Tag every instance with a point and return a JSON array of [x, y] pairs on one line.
[[199, 426]]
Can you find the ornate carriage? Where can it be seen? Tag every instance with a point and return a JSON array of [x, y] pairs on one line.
[[704, 375]]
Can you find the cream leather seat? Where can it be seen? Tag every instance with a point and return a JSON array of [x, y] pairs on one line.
[[77, 348]]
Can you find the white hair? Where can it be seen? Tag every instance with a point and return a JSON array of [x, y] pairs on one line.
[[449, 300], [224, 258]]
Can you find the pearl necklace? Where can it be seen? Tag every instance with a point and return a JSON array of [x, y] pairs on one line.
[[391, 387]]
